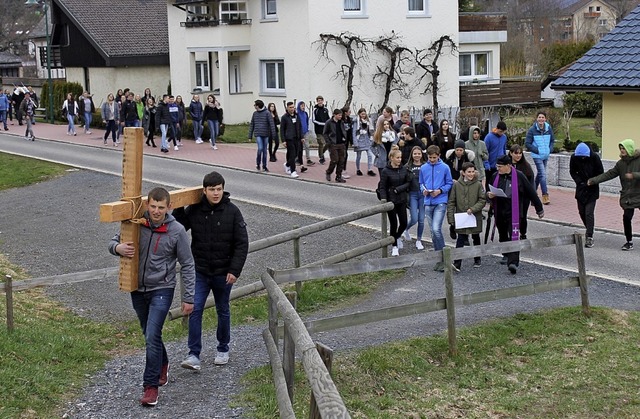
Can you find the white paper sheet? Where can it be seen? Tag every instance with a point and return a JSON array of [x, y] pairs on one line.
[[497, 191], [464, 220]]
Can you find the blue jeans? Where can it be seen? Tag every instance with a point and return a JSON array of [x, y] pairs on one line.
[[133, 123], [87, 121], [3, 118], [416, 209], [163, 130], [71, 127], [261, 156], [541, 175], [214, 127], [197, 129], [152, 308], [221, 292], [435, 216]]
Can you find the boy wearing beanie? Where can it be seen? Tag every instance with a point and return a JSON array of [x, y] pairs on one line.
[[583, 165]]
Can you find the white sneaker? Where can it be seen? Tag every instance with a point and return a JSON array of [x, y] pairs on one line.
[[179, 144], [199, 141], [419, 245], [286, 169], [345, 175], [400, 244], [294, 174], [394, 251], [222, 358], [407, 236], [191, 363], [215, 147], [176, 148]]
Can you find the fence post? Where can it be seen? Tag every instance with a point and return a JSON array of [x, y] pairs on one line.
[[8, 292], [289, 351], [451, 310], [296, 259], [383, 230], [273, 317], [582, 275], [326, 353]]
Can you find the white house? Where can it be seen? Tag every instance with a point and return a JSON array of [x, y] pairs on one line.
[[269, 49]]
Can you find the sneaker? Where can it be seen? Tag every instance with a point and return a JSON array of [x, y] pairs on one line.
[[176, 148], [215, 147], [164, 375], [328, 177], [26, 137], [452, 232], [199, 141], [513, 268], [477, 264], [340, 180], [258, 168], [286, 169], [504, 260], [191, 363], [180, 144], [272, 159], [303, 169], [345, 175], [371, 173], [439, 267], [164, 150], [222, 358], [88, 132], [627, 246], [455, 268], [310, 162], [265, 170], [294, 174], [400, 244], [545, 199], [321, 161], [395, 251], [589, 242], [150, 396], [419, 245], [359, 172], [406, 235]]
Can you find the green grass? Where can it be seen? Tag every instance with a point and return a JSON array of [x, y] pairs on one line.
[[555, 363], [581, 129], [16, 171], [236, 134]]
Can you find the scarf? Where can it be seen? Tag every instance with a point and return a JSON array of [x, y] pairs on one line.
[[515, 206]]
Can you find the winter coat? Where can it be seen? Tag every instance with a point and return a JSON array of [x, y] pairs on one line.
[[525, 190], [157, 250], [408, 145], [195, 110], [456, 164], [129, 112], [496, 147], [290, 130], [464, 195], [380, 153], [163, 117], [219, 239], [540, 141], [479, 148], [630, 192], [319, 116], [415, 179], [445, 142], [82, 105], [262, 124], [331, 132], [107, 114], [435, 176], [362, 135], [212, 113], [423, 130], [394, 184], [304, 119], [581, 169], [149, 119]]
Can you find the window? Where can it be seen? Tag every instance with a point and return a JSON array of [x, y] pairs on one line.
[[231, 10], [475, 65], [602, 22], [269, 9], [354, 8], [418, 8], [273, 76], [202, 75]]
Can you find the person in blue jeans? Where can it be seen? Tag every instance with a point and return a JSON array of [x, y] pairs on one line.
[[539, 142], [416, 199], [162, 242], [435, 184], [262, 127], [220, 244], [4, 108]]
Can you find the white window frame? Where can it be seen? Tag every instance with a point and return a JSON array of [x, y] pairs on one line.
[[266, 13], [240, 11], [360, 13], [602, 22], [425, 12], [474, 75], [202, 70], [279, 67]]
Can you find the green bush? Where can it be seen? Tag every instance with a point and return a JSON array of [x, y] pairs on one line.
[[583, 104], [60, 90]]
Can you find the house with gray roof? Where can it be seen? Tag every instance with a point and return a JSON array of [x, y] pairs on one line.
[[105, 46], [612, 67]]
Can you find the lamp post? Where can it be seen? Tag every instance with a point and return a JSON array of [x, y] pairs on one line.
[[45, 8]]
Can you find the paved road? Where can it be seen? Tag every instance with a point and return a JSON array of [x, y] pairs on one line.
[[324, 200]]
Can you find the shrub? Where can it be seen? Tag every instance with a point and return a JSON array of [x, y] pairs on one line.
[[583, 104]]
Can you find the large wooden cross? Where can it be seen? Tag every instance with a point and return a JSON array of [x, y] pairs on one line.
[[132, 205]]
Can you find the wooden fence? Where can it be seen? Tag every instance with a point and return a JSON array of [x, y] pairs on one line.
[[295, 330], [513, 93]]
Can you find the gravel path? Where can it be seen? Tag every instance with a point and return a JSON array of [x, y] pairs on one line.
[[76, 241]]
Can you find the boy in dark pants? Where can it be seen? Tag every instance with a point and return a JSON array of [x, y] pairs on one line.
[[584, 165]]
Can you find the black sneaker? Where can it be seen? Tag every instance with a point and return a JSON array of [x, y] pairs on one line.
[[359, 173], [328, 177], [321, 161], [513, 268], [371, 173], [588, 242], [303, 169], [340, 180], [504, 260], [310, 162], [627, 246]]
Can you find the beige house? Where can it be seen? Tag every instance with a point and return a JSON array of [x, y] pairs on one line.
[[588, 19], [612, 67], [270, 50]]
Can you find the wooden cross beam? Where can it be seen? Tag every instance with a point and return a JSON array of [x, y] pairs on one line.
[[133, 204]]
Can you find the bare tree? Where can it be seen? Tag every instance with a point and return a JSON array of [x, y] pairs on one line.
[[16, 21], [427, 60], [355, 49], [393, 72]]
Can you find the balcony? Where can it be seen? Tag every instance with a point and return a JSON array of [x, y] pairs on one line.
[[56, 57], [199, 21], [590, 15]]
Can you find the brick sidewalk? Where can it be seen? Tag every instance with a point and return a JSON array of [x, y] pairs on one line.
[[562, 209]]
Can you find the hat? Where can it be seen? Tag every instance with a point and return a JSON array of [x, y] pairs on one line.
[[582, 150], [503, 160], [459, 144]]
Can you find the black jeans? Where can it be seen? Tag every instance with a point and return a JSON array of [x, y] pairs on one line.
[[337, 153], [397, 221], [503, 223], [586, 211], [294, 147], [461, 240], [627, 216]]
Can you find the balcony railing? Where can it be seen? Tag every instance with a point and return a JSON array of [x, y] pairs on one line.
[[591, 14], [56, 56], [198, 21]]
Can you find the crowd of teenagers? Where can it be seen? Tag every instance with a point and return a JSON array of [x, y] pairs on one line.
[[429, 171]]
